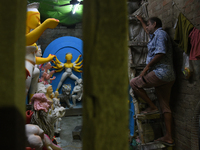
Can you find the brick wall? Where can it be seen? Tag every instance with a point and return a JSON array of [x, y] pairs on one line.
[[50, 35], [185, 93]]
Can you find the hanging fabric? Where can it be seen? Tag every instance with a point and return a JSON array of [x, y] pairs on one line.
[[194, 37], [183, 28]]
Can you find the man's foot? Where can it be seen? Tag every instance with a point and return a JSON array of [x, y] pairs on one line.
[[149, 110], [165, 141]]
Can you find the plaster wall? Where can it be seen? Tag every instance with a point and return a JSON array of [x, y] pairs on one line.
[[12, 76]]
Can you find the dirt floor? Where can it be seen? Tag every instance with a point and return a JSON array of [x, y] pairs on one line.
[[65, 140]]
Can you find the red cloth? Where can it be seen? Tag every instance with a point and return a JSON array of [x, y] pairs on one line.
[[28, 148], [195, 44], [29, 114]]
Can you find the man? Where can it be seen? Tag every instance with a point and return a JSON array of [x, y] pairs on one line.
[[158, 73]]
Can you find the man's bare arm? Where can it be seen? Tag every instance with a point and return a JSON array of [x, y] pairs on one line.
[[155, 60], [143, 23]]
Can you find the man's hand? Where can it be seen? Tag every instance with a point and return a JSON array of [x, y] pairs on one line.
[[143, 23], [139, 18], [144, 71]]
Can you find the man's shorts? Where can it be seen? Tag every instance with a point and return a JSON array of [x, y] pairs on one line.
[[162, 88]]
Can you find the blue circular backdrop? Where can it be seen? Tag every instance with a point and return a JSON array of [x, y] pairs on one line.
[[60, 47]]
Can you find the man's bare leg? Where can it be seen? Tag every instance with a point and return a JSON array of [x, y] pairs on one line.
[[168, 136], [142, 93], [168, 122]]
